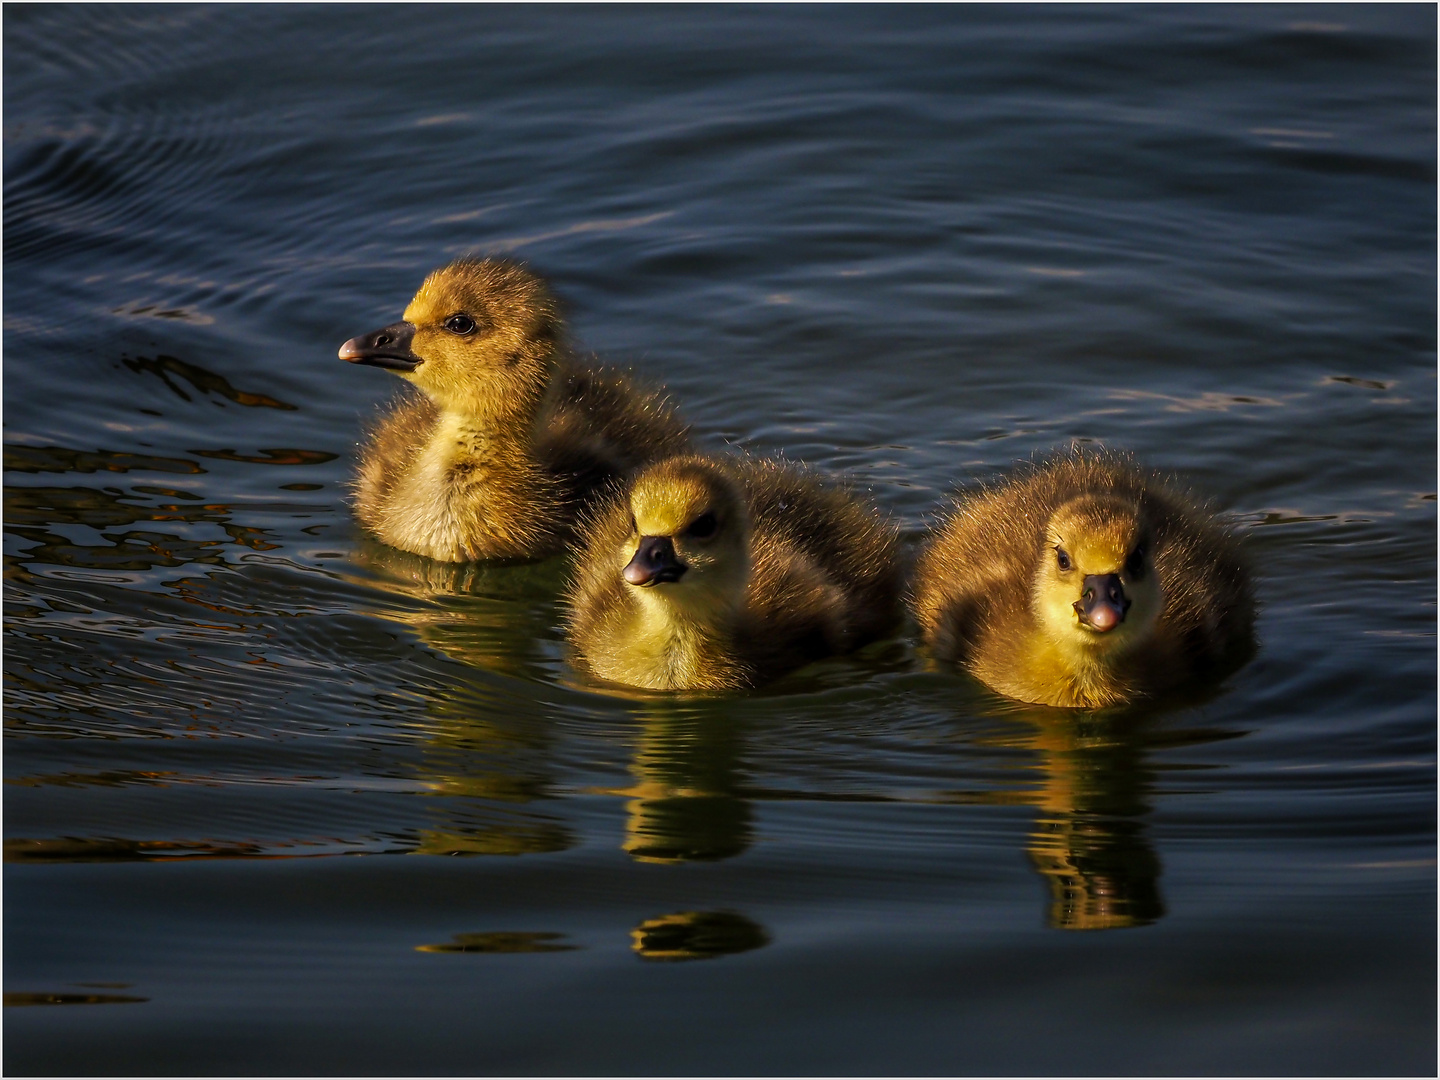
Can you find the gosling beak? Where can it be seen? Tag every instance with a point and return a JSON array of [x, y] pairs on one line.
[[654, 563], [388, 347], [1103, 604]]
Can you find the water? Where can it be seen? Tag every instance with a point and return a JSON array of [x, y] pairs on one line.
[[911, 245]]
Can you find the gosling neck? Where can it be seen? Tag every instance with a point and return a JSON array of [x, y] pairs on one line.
[[678, 644]]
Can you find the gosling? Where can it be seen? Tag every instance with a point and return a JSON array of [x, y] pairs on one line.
[[721, 575], [510, 439], [1085, 583]]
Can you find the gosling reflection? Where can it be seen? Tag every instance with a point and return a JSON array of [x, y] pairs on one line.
[[486, 768], [686, 804], [486, 759], [504, 838], [1090, 841], [502, 941], [486, 615], [697, 935]]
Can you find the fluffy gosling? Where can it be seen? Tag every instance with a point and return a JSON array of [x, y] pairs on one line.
[[510, 438], [719, 575], [1084, 582]]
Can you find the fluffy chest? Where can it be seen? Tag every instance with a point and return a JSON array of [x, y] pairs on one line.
[[468, 493], [652, 648]]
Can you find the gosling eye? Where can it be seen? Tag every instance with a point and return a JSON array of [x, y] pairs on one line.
[[460, 324], [634, 528], [1135, 564], [1062, 559], [703, 527]]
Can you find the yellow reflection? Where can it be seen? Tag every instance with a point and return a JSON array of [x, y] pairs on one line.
[[1089, 841], [686, 803], [508, 838], [486, 765], [487, 615], [487, 750], [501, 941], [697, 935], [71, 849]]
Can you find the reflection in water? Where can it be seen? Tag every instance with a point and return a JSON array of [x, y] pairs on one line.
[[697, 935], [206, 382], [106, 849], [686, 804], [494, 838], [71, 999], [279, 456], [476, 756], [61, 459], [486, 741], [108, 778], [35, 513], [481, 755], [1090, 841], [486, 615], [502, 941], [427, 579]]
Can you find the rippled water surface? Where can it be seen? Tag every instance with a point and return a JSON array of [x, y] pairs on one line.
[[279, 799]]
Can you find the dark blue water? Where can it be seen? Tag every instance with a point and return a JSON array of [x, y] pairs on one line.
[[911, 245]]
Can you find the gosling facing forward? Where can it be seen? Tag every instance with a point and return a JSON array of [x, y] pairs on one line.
[[711, 575], [1084, 582], [511, 437]]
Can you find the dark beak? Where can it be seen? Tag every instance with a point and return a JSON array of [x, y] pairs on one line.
[[1103, 605], [388, 347], [654, 563]]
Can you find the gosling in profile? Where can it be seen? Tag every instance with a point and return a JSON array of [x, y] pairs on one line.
[[711, 575], [511, 438], [1084, 583]]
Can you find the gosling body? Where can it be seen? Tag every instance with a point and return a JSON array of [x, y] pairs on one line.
[[1084, 582], [720, 575], [506, 438]]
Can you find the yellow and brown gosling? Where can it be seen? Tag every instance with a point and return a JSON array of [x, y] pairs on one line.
[[719, 575], [1084, 582], [510, 438]]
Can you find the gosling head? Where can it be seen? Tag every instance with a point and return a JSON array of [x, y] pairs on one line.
[[688, 544], [480, 337], [1096, 585]]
